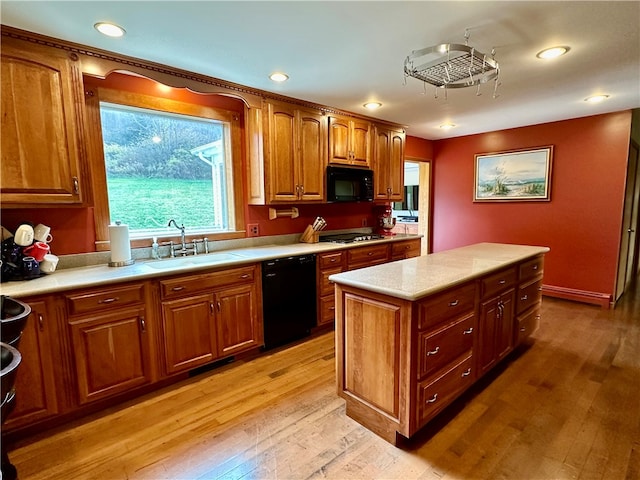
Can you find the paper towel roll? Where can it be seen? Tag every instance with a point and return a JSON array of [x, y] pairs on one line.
[[120, 247]]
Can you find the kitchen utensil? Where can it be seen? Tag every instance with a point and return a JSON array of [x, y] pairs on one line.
[[36, 250], [49, 263], [42, 233], [23, 235]]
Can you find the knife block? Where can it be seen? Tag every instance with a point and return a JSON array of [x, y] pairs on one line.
[[309, 235]]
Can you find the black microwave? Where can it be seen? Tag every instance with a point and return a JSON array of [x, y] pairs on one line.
[[346, 184]]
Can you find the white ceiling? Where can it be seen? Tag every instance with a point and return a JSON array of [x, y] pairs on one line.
[[341, 54]]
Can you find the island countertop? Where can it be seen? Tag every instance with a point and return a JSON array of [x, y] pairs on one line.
[[414, 278]]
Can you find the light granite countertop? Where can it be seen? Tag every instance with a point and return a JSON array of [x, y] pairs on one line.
[[102, 274], [414, 278]]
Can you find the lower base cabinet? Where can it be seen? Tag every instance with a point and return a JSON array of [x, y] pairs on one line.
[[36, 397]]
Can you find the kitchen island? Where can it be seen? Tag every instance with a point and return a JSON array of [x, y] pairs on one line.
[[412, 335]]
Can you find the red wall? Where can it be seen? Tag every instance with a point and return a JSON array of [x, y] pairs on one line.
[[581, 224]]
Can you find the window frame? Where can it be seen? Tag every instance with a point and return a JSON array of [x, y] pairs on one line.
[[95, 95]]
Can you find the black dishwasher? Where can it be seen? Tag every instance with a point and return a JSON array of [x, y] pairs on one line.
[[288, 299]]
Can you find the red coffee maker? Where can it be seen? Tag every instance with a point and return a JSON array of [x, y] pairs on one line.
[[386, 220]]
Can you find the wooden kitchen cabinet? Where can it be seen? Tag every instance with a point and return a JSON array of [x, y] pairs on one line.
[[111, 340], [295, 153], [497, 317], [349, 141], [367, 256], [327, 264], [528, 298], [405, 249], [36, 395], [42, 153], [210, 316], [388, 164]]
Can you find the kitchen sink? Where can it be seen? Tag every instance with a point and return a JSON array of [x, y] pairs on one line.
[[204, 259]]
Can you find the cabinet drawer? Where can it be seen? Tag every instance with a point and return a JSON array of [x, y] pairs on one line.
[[436, 394], [327, 309], [327, 287], [437, 349], [330, 260], [531, 268], [527, 324], [447, 305], [99, 300], [497, 282], [529, 294], [366, 256], [408, 249], [176, 287]]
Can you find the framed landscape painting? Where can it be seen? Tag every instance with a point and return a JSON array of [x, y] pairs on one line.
[[522, 175]]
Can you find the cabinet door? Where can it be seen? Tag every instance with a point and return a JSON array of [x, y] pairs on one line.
[[339, 135], [35, 385], [189, 332], [237, 320], [360, 143], [388, 164], [111, 353], [282, 179], [41, 90], [496, 329], [312, 157]]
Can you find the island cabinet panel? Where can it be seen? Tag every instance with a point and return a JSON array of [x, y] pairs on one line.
[[400, 362], [35, 384]]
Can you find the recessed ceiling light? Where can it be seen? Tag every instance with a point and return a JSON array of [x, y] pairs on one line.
[[596, 98], [109, 29], [372, 105], [447, 126], [552, 52], [279, 77]]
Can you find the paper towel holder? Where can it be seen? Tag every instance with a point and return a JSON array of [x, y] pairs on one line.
[[122, 263]]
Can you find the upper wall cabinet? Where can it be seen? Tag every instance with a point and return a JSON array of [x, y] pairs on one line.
[[42, 100], [349, 141], [295, 153], [388, 165]]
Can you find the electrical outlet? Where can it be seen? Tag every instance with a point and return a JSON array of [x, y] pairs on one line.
[[254, 229], [364, 222]]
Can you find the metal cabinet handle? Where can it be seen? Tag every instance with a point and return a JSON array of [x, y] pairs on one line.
[[178, 288], [332, 308], [143, 325], [523, 329], [433, 399], [525, 297], [502, 282], [76, 185], [467, 372], [41, 321], [433, 352], [108, 300], [467, 332], [370, 253], [333, 260], [245, 275], [454, 303], [535, 267], [218, 305], [270, 275]]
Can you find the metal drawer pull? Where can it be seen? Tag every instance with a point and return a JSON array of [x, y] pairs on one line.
[[467, 373], [454, 303], [526, 297], [523, 329], [41, 321], [143, 325], [333, 260], [245, 275], [467, 332], [502, 282], [370, 253], [271, 275], [332, 308], [535, 267], [109, 300], [211, 309], [433, 352], [433, 399]]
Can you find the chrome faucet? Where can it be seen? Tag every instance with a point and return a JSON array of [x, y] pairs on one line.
[[183, 243]]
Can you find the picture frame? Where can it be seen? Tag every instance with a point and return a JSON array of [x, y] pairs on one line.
[[514, 176]]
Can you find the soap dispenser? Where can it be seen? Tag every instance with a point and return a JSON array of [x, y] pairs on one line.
[[154, 249]]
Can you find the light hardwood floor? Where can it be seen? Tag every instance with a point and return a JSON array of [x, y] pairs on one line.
[[567, 407]]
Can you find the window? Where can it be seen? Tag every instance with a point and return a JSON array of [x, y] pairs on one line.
[[158, 153], [163, 166]]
